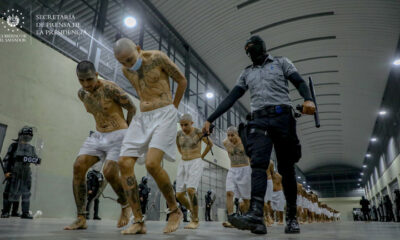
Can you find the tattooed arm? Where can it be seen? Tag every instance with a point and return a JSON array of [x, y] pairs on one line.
[[81, 94], [173, 71], [122, 98], [209, 143], [178, 145]]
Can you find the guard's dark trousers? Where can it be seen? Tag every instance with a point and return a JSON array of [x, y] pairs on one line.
[[280, 133]]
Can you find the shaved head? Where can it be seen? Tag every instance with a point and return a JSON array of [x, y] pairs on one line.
[[232, 129], [123, 46], [85, 67], [186, 117], [126, 52]]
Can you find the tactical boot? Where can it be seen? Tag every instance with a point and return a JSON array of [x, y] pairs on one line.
[[15, 214], [26, 215], [5, 215], [252, 220], [96, 218], [292, 226]]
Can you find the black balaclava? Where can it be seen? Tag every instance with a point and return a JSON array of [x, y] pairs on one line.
[[258, 51]]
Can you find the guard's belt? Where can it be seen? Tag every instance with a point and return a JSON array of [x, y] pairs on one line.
[[271, 111]]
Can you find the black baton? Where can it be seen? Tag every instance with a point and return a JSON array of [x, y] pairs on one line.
[[314, 99], [316, 114]]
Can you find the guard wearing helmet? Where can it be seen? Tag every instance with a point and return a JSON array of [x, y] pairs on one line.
[[18, 173]]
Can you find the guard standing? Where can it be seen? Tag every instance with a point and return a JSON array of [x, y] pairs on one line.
[[271, 124]]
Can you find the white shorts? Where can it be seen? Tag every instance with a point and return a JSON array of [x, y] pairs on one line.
[[238, 181], [189, 174], [278, 201], [299, 201], [270, 190], [318, 210], [152, 129], [306, 203], [312, 207], [106, 146]]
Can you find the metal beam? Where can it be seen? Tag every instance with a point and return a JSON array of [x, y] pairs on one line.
[[165, 22], [332, 181], [94, 52]]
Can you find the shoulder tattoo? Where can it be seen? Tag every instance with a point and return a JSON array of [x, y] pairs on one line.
[[81, 94]]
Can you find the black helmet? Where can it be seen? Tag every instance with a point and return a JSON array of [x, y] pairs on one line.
[[26, 130], [25, 134], [144, 179]]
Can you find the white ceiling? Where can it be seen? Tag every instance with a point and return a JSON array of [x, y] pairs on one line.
[[366, 36]]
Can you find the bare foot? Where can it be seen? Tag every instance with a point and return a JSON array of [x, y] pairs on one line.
[[267, 223], [175, 218], [280, 223], [192, 225], [136, 228], [270, 221], [124, 217], [79, 223], [227, 225]]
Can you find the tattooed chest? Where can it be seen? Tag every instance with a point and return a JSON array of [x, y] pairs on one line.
[[189, 142], [148, 78], [96, 105]]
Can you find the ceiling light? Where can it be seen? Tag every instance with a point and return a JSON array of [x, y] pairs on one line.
[[362, 174], [364, 166], [299, 177], [397, 62], [304, 182], [130, 22], [383, 112], [359, 179], [368, 155], [209, 95], [374, 139]]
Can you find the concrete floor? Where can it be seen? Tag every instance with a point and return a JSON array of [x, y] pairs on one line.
[[51, 229]]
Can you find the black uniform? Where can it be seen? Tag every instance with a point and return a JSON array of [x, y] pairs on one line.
[[93, 181], [389, 208], [8, 168], [144, 192], [209, 202], [397, 203], [365, 209], [375, 213], [382, 216], [271, 124], [19, 157]]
